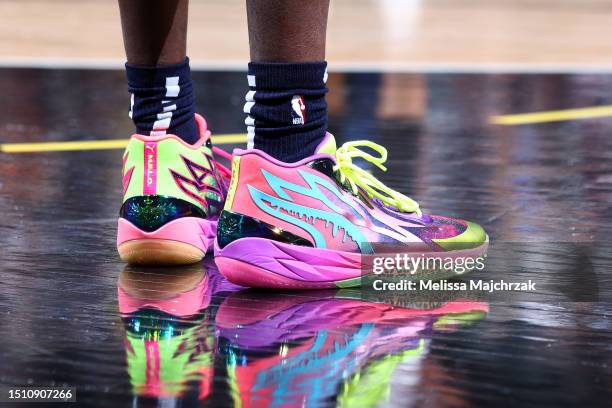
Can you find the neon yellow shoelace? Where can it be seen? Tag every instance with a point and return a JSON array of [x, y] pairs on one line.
[[358, 177]]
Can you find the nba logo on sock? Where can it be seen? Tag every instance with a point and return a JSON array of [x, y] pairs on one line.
[[298, 112]]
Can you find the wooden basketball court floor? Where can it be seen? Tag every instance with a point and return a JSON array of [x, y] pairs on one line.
[[521, 145]]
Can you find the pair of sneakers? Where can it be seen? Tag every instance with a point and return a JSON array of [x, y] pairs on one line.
[[303, 225]]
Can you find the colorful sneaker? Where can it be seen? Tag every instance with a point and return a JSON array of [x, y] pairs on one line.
[[310, 224], [172, 195]]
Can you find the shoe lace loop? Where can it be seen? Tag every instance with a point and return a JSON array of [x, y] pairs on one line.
[[358, 177]]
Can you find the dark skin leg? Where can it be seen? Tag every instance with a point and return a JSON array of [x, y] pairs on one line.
[[287, 30], [154, 31]]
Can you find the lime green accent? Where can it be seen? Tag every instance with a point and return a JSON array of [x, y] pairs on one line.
[[169, 154], [232, 380], [349, 283], [357, 177], [233, 183], [472, 237], [328, 147], [458, 319], [135, 158], [176, 367], [370, 387]]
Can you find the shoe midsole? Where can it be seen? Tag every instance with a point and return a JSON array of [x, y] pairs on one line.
[[316, 264], [198, 232]]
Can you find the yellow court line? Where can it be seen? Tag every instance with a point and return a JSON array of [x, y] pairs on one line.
[[553, 116], [97, 144]]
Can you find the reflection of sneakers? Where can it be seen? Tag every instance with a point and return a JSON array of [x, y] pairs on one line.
[[180, 291], [307, 224], [167, 337], [177, 291], [172, 195], [309, 350]]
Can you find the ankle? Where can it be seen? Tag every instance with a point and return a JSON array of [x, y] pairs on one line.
[[286, 108], [162, 100]]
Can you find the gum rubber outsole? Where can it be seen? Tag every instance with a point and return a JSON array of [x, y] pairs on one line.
[[180, 242], [159, 252]]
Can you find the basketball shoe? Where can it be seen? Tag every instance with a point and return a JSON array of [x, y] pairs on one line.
[[173, 193], [317, 222]]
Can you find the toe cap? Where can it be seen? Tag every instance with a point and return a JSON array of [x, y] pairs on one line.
[[473, 237]]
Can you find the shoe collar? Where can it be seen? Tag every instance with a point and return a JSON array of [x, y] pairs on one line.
[[202, 127], [325, 150]]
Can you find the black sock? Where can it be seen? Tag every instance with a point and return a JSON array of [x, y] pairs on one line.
[[162, 100], [286, 107]]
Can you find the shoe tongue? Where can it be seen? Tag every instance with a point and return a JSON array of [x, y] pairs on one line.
[[327, 146]]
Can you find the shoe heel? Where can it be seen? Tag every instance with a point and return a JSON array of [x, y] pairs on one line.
[[182, 241]]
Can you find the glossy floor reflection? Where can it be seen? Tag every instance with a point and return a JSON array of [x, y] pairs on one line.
[[72, 313], [186, 327]]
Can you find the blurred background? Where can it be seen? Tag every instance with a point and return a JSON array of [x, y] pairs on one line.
[[378, 35]]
